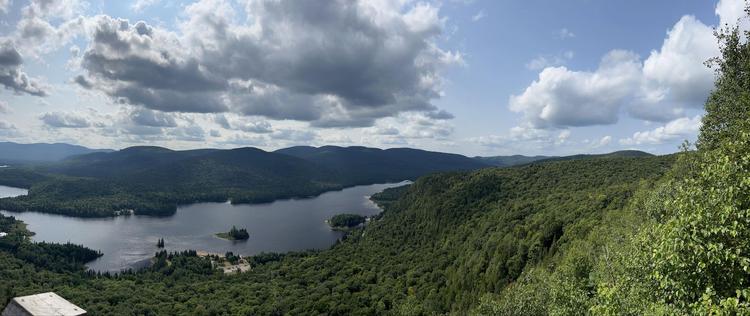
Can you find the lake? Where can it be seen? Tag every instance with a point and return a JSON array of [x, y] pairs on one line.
[[130, 241]]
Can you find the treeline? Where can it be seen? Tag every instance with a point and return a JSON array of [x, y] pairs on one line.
[[235, 234], [346, 220]]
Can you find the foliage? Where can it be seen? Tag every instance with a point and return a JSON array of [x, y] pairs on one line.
[[235, 234], [346, 220]]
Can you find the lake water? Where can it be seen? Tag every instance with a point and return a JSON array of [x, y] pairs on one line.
[[280, 226], [9, 191]]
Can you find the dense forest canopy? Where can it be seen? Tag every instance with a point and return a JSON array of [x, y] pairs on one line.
[[235, 234], [346, 220]]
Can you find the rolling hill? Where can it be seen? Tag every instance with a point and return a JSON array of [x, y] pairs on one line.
[[12, 153], [360, 165], [515, 160], [154, 180]]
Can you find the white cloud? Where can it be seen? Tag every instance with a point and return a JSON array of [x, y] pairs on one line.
[[678, 129], [675, 77], [604, 141], [4, 5], [415, 126], [480, 15], [732, 12], [670, 82], [139, 5], [338, 64], [48, 25], [4, 125], [541, 62], [4, 109], [250, 125], [146, 117], [564, 33], [524, 138], [12, 76], [64, 120], [7, 129], [563, 98]]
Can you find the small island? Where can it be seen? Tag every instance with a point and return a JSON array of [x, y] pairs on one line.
[[346, 221], [235, 234], [160, 243]]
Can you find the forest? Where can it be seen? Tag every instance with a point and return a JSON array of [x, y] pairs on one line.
[[346, 220], [235, 234]]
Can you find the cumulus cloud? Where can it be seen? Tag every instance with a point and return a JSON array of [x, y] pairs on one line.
[[562, 97], [11, 75], [47, 25], [669, 82], [64, 120], [4, 125], [541, 62], [604, 141], [681, 128], [146, 117], [294, 135], [4, 5], [141, 65], [139, 5], [731, 13], [7, 129], [341, 63], [260, 127], [440, 115], [675, 77], [191, 133], [524, 138], [4, 109], [398, 130], [257, 126]]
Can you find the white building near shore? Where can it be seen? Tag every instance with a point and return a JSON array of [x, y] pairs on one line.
[[47, 304]]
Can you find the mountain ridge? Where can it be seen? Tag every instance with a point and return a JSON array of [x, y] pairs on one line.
[[13, 153]]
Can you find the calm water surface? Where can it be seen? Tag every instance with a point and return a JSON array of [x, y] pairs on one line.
[[129, 241]]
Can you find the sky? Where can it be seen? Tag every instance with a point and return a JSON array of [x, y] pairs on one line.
[[471, 77]]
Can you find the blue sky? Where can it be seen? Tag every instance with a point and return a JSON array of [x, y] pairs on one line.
[[472, 77]]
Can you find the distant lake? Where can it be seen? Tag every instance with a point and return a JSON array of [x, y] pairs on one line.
[[280, 226], [10, 191]]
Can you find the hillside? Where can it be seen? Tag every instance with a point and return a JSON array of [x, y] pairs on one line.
[[121, 162], [515, 160], [509, 161], [154, 180], [361, 165], [12, 153], [440, 245]]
